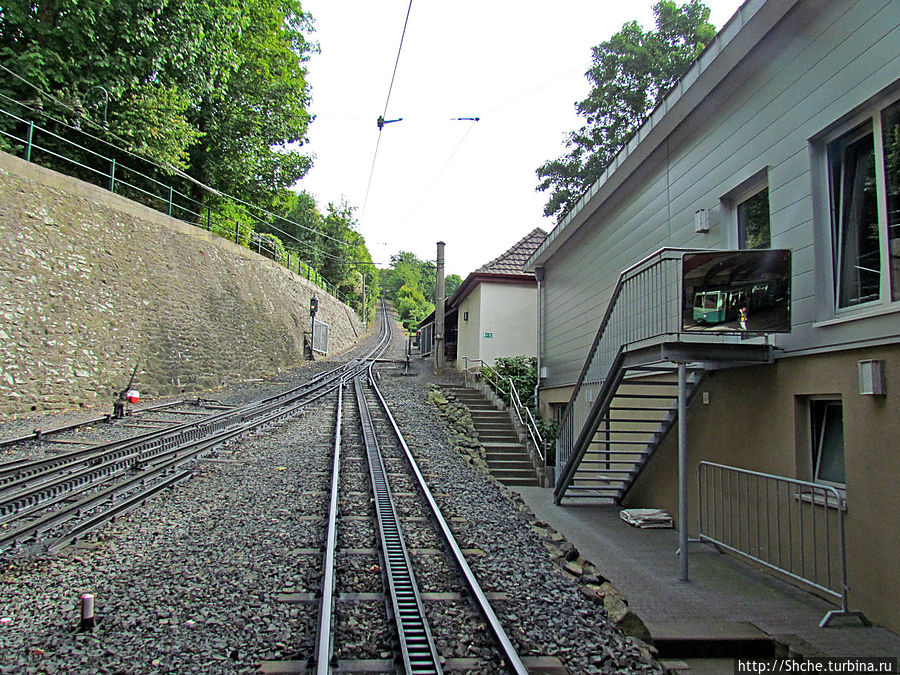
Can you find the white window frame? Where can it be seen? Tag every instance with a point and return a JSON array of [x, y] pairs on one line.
[[748, 188], [872, 115], [815, 446]]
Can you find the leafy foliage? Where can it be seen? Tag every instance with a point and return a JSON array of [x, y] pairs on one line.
[[214, 87], [412, 307], [451, 283], [630, 75], [410, 284], [522, 370]]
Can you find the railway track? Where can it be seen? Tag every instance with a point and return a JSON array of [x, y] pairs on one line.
[[50, 501], [390, 561], [274, 561]]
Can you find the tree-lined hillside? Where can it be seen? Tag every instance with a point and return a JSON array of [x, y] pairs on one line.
[[410, 284], [208, 97]]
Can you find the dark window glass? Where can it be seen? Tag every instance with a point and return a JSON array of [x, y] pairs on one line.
[[828, 442], [891, 136], [753, 221]]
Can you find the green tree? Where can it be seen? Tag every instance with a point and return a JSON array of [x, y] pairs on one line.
[[630, 74], [412, 307], [214, 87], [451, 283], [301, 229], [255, 113]]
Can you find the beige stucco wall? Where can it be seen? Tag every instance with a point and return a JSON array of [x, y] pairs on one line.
[[508, 312], [757, 418], [94, 283], [469, 330]]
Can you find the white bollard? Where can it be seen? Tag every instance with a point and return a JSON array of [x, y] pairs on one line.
[[87, 611]]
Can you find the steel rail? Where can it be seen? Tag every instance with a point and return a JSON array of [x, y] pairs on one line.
[[38, 434], [163, 447], [418, 651], [324, 634], [175, 458], [513, 660]]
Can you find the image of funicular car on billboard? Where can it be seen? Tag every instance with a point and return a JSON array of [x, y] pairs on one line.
[[737, 291]]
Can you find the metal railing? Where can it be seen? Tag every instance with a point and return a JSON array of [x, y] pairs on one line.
[[320, 337], [110, 173], [645, 304], [792, 526], [505, 386], [528, 423], [426, 339], [467, 371]]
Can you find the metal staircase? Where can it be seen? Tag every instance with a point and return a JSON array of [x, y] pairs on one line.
[[640, 414], [627, 397]]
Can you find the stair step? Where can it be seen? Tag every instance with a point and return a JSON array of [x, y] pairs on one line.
[[617, 442], [512, 472], [512, 469], [503, 423], [626, 431], [644, 408], [648, 383], [603, 461]]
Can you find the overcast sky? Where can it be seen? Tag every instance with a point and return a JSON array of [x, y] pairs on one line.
[[519, 66]]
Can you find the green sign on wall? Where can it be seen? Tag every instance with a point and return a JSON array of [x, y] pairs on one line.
[[488, 335]]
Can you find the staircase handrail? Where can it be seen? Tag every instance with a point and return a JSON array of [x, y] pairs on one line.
[[604, 352], [528, 422]]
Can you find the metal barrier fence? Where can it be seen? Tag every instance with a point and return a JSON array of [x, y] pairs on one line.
[[112, 174], [320, 337], [792, 526], [645, 304], [426, 340]]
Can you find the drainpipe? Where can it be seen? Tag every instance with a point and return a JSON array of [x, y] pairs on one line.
[[439, 313]]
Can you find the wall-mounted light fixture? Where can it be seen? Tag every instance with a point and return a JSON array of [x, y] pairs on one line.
[[701, 220], [465, 316], [871, 378]]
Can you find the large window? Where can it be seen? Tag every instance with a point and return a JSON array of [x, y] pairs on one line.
[[864, 190]]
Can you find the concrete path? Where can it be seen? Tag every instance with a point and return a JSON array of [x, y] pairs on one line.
[[643, 565]]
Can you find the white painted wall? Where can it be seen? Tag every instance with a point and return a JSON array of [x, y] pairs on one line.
[[508, 312]]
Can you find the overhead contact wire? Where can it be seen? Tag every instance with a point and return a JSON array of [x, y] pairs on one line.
[[384, 114]]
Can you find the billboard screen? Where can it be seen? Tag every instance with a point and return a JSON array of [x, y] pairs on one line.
[[736, 291]]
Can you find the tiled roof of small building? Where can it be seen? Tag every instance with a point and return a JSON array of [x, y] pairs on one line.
[[512, 261]]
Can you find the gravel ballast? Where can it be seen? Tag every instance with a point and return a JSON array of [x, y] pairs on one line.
[[189, 582]]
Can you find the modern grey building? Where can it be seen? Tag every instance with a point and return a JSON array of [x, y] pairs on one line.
[[784, 134]]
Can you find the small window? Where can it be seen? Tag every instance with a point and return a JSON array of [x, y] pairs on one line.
[[828, 442], [753, 221]]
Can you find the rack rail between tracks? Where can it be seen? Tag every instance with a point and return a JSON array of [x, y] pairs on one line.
[[418, 651]]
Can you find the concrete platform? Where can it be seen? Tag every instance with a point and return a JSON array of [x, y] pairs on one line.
[[725, 596]]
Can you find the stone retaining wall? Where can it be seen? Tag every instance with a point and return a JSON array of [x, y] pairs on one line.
[[93, 284]]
